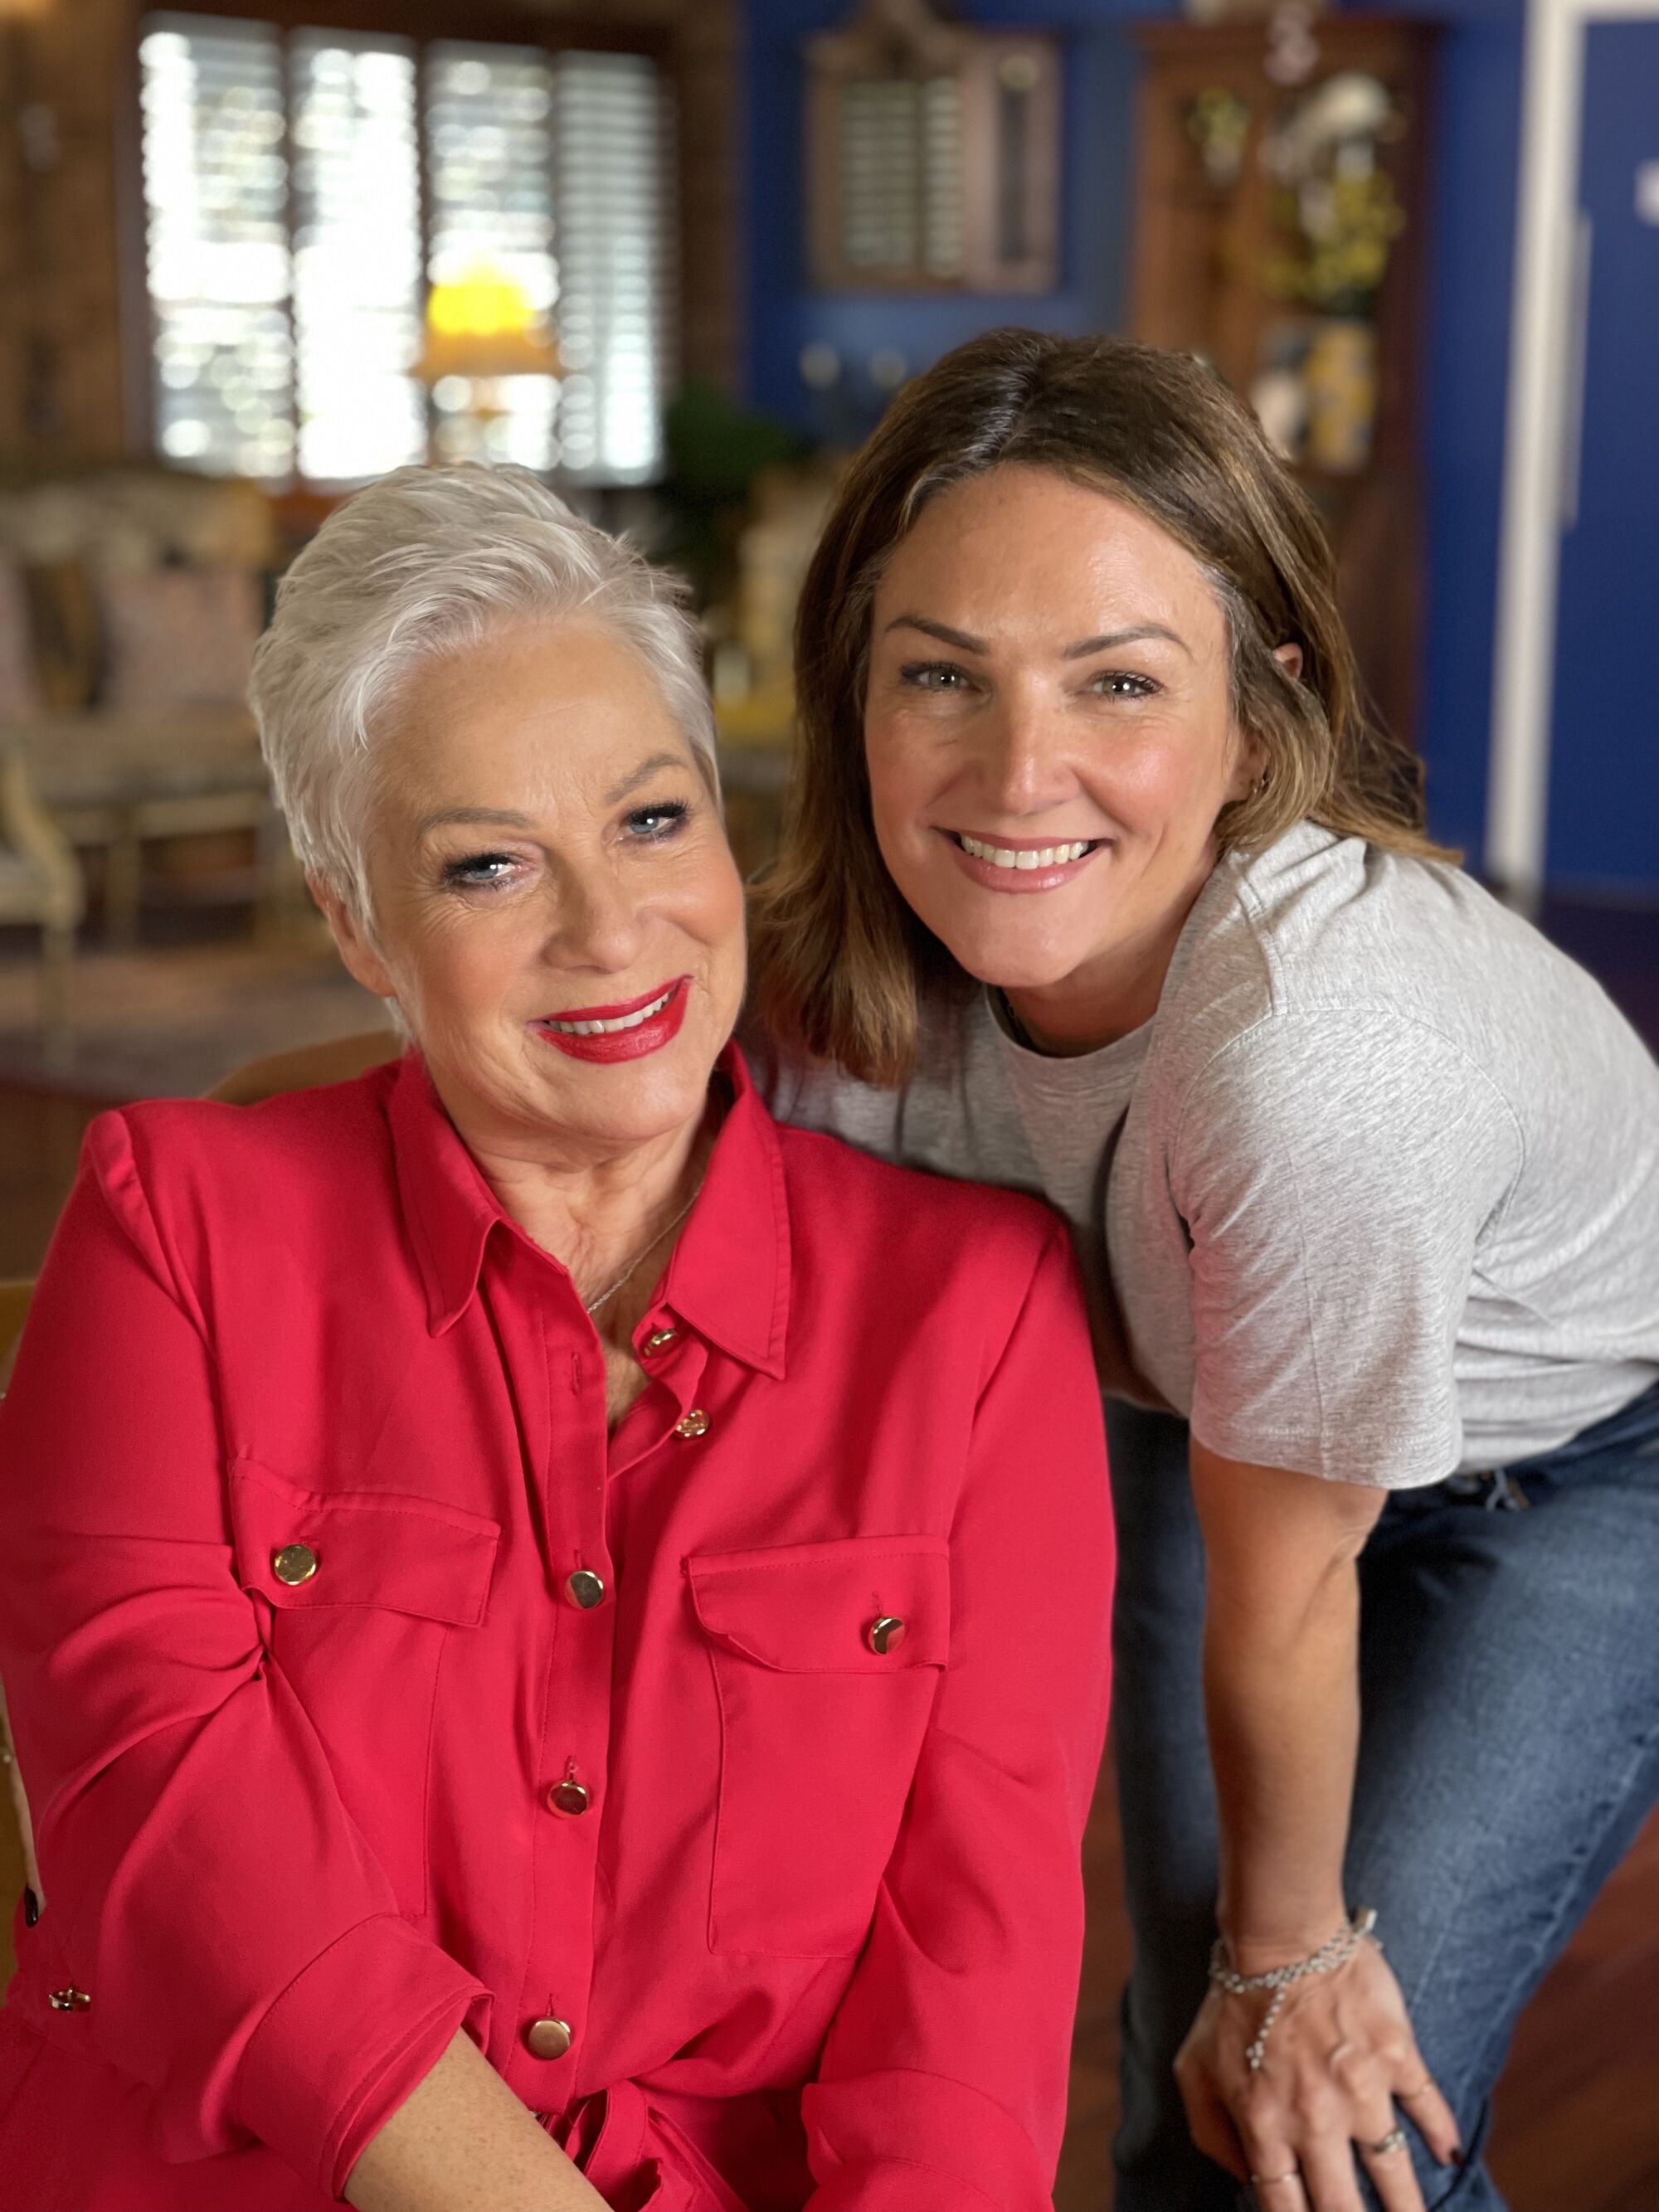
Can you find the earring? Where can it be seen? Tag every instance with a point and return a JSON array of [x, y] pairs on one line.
[[1261, 783]]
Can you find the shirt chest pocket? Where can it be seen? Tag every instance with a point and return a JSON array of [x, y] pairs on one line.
[[826, 1660], [361, 1591]]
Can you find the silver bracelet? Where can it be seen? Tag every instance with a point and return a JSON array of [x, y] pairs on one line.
[[1358, 1929]]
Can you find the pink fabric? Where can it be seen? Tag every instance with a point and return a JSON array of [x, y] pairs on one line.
[[178, 637], [294, 1834]]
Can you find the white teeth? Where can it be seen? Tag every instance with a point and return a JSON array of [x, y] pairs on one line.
[[1007, 856], [609, 1028]]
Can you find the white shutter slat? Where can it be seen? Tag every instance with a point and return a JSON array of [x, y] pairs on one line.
[[357, 291], [216, 190]]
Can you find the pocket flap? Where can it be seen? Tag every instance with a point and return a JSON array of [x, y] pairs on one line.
[[359, 1548], [810, 1609]]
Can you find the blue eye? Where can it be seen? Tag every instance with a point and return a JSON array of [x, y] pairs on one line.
[[478, 871], [648, 826]]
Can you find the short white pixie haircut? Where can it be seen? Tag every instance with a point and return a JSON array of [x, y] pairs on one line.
[[425, 564]]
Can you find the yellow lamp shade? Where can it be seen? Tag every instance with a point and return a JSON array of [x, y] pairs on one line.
[[482, 325]]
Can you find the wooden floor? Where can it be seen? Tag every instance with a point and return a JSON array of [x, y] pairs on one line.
[[1578, 2126]]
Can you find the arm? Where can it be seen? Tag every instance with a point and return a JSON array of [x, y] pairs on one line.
[[463, 2142], [942, 2087], [1281, 1689], [242, 1952]]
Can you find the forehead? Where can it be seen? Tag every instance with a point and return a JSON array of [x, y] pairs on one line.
[[1026, 548], [545, 703]]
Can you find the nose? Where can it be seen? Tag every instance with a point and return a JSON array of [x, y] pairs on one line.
[[596, 921], [1023, 764]]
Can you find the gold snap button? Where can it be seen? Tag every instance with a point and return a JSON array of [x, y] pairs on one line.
[[585, 1589], [885, 1634], [568, 1797], [696, 1424], [70, 2000], [294, 1564], [660, 1339], [548, 2038]]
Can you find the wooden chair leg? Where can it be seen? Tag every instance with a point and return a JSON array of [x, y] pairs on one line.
[[124, 865]]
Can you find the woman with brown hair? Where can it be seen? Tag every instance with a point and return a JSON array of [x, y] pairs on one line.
[[1097, 883]]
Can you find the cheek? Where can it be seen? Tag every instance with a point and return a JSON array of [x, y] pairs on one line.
[[895, 762], [463, 961], [708, 906], [1170, 782]]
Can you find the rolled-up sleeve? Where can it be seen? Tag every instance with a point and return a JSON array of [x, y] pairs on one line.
[[942, 2087], [241, 1950]]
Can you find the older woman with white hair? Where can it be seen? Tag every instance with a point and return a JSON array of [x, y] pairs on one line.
[[555, 1629]]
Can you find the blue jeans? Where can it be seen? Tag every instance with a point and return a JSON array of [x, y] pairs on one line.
[[1509, 1754]]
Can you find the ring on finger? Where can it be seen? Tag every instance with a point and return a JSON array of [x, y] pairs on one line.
[[1405, 2095], [1386, 2145], [1273, 2180]]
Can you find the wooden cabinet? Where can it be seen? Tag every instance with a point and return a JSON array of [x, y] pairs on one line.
[[1281, 223]]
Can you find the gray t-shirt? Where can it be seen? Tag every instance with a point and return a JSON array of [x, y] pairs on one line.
[[1379, 1181]]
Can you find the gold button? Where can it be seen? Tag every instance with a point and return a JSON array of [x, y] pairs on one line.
[[660, 1339], [585, 1589], [294, 1564], [568, 1797], [885, 1633], [70, 2000], [548, 2038], [696, 1424]]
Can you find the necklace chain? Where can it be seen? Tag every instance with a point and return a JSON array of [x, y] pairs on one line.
[[1020, 1034], [592, 1305]]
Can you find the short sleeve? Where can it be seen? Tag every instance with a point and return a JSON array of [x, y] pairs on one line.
[[1334, 1168]]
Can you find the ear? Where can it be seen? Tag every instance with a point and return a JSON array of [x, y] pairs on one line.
[[1289, 658], [363, 963]]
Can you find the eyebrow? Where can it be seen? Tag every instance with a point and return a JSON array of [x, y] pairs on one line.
[[475, 817], [497, 818], [1107, 641], [643, 773]]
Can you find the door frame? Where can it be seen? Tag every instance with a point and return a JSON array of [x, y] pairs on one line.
[[1547, 339]]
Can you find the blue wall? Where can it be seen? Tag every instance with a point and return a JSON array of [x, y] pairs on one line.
[[785, 315], [1476, 139]]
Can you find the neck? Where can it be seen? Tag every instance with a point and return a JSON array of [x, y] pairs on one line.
[[597, 1215], [1108, 996]]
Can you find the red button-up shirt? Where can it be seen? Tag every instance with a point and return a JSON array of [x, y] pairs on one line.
[[330, 1754]]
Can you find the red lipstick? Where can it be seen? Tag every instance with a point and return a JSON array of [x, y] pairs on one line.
[[643, 1025]]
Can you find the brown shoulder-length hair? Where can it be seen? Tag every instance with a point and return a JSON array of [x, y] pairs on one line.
[[839, 959]]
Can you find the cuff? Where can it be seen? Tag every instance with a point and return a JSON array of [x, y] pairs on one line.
[[904, 2142], [347, 2042]]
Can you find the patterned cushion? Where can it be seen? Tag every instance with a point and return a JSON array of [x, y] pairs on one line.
[[179, 637]]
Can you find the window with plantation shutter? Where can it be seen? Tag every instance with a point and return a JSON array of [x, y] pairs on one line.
[[215, 189], [610, 144], [354, 139], [304, 188]]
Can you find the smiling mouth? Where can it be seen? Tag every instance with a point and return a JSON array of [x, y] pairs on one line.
[[609, 1021], [1025, 857]]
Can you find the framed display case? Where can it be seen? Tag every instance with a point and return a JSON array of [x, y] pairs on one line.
[[1281, 217], [932, 155]]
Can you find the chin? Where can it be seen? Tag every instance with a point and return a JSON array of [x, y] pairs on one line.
[[996, 956]]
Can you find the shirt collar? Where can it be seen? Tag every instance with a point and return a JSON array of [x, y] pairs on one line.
[[729, 1275]]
